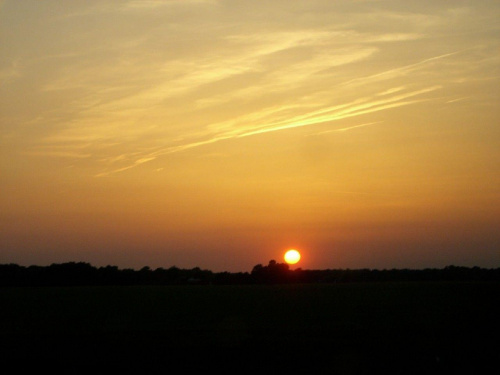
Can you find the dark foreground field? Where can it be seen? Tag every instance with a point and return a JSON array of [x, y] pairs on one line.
[[413, 328]]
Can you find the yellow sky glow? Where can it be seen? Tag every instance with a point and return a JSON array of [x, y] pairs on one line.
[[215, 133]]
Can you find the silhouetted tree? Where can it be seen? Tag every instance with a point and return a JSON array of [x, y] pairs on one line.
[[272, 273], [81, 274]]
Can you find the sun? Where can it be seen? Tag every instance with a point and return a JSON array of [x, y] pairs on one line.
[[292, 256]]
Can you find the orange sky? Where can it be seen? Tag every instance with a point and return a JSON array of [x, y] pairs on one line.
[[220, 133]]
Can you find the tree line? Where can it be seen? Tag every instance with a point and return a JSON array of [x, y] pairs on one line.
[[84, 274]]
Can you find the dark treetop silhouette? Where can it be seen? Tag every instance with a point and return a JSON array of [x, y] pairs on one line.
[[84, 274]]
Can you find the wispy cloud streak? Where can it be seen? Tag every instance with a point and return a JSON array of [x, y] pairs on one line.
[[392, 73], [335, 113], [162, 88]]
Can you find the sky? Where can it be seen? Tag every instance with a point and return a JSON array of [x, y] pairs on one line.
[[220, 133]]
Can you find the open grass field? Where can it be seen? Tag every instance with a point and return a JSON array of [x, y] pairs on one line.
[[404, 328]]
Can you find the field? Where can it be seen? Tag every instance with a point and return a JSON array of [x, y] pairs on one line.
[[404, 328]]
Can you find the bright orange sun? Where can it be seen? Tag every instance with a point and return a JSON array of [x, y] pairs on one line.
[[292, 256]]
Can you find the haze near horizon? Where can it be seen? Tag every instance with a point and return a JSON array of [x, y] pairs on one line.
[[219, 134]]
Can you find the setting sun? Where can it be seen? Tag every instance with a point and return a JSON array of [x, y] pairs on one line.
[[292, 256]]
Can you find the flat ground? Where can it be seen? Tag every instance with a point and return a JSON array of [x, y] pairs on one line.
[[404, 328]]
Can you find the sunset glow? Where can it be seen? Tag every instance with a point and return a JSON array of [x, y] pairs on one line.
[[209, 133]]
